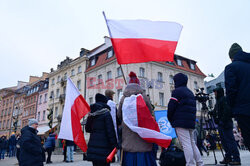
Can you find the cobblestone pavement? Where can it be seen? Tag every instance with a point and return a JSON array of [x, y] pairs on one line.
[[57, 160]]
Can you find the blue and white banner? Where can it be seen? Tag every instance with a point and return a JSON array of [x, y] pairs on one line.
[[164, 124]]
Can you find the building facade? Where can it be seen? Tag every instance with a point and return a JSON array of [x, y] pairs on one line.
[[73, 69], [103, 72], [6, 112]]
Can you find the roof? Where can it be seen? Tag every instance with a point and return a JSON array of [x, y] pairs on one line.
[[102, 59], [215, 81]]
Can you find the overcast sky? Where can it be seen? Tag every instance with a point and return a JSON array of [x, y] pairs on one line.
[[35, 35]]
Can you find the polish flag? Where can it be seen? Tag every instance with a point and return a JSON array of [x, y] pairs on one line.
[[75, 109], [138, 118], [137, 41]]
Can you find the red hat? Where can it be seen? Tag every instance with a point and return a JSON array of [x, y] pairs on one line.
[[133, 78]]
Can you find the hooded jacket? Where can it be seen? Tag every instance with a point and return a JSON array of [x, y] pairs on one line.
[[237, 82], [182, 105], [50, 141], [31, 152], [102, 134], [222, 111]]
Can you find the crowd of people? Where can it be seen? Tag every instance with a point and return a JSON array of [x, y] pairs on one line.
[[108, 130]]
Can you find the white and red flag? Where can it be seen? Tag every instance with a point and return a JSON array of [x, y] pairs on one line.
[[138, 118], [137, 41], [75, 109]]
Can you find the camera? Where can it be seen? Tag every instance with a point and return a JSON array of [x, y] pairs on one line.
[[201, 96]]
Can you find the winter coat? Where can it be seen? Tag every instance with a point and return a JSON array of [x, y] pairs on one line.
[[12, 140], [131, 141], [31, 151], [3, 143], [50, 141], [182, 105], [102, 134], [222, 111], [237, 82]]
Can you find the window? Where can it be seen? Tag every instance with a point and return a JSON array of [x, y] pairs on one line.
[[92, 62], [53, 81], [45, 86], [161, 97], [43, 115], [38, 117], [79, 70], [179, 62], [196, 85], [119, 71], [110, 53], [171, 79], [45, 97], [142, 72], [7, 124], [3, 124], [51, 94], [57, 93], [65, 76], [72, 72], [56, 112], [90, 100], [79, 84], [99, 79], [58, 78], [192, 66], [119, 94], [64, 90], [0, 125], [160, 77], [91, 82], [40, 99], [109, 75]]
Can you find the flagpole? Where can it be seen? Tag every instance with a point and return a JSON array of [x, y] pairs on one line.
[[112, 44]]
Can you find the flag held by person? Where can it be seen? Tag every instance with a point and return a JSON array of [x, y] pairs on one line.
[[75, 109], [138, 118], [137, 41]]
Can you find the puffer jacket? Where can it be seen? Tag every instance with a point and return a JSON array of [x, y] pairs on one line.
[[31, 151], [182, 104], [131, 141], [102, 134]]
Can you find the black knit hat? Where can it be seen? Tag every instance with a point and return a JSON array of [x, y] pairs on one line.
[[235, 48], [101, 98]]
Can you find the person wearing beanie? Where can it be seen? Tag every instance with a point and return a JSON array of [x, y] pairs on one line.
[[135, 149], [235, 48], [237, 83], [182, 116], [31, 150], [102, 138]]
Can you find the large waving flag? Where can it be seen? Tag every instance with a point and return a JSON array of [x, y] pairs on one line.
[[138, 118], [75, 109], [137, 41]]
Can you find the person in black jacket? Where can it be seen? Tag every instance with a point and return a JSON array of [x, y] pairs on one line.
[[182, 116], [222, 116], [31, 150], [237, 82], [12, 145], [102, 134], [3, 146]]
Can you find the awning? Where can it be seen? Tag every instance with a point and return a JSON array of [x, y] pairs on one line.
[[43, 129]]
